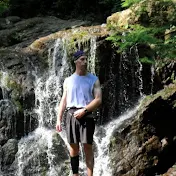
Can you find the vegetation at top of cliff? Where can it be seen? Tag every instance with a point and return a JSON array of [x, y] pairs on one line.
[[84, 9], [136, 34], [4, 5], [128, 3], [152, 36], [155, 27], [165, 93]]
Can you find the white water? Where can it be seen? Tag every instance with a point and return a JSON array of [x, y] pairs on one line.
[[92, 59], [3, 83], [46, 103], [139, 71], [152, 77], [48, 93], [102, 161]]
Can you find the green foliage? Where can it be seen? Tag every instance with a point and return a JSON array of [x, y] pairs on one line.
[[154, 37], [128, 3], [135, 35], [167, 49], [18, 105], [4, 5], [147, 60]]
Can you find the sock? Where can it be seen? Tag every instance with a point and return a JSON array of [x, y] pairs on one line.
[[75, 164]]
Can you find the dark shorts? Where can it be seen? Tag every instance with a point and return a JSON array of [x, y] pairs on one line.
[[79, 130]]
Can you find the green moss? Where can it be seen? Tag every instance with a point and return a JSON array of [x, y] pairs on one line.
[[128, 3], [174, 104], [173, 77], [15, 88], [1, 74], [146, 60], [18, 105], [79, 36], [14, 85], [44, 172], [112, 142], [164, 93]]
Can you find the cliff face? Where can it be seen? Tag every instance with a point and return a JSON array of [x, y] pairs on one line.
[[35, 59], [143, 145]]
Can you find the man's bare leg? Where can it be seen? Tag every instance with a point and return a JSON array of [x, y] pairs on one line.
[[74, 152], [89, 158]]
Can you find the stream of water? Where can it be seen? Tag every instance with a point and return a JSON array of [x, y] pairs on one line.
[[35, 151]]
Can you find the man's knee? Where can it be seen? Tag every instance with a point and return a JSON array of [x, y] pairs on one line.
[[74, 150]]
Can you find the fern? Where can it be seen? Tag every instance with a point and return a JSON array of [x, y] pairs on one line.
[[128, 3], [142, 35], [147, 60], [167, 49], [136, 35]]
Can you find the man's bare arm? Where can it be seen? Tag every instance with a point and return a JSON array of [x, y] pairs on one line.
[[93, 105], [62, 107]]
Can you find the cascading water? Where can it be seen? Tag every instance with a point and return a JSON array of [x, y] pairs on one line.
[[35, 152], [130, 83], [43, 151], [102, 140]]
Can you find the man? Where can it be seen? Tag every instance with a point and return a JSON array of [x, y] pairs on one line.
[[81, 95]]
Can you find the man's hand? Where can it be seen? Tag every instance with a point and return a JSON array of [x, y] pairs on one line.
[[79, 113], [58, 126]]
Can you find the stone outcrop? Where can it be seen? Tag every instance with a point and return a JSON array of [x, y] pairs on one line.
[[19, 33], [154, 13], [146, 144], [8, 152]]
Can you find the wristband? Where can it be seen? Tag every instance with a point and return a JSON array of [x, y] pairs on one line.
[[85, 110]]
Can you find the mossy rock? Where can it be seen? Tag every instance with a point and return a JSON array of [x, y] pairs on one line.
[[147, 12]]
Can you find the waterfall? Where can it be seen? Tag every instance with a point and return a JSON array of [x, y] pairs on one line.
[[44, 151], [102, 140], [3, 83], [152, 77], [40, 142], [130, 82], [91, 63]]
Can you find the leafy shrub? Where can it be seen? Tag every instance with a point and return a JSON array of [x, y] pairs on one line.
[[154, 37], [4, 5], [128, 3]]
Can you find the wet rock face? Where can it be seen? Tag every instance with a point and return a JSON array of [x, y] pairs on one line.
[[7, 121], [38, 156], [23, 32], [17, 88], [146, 143], [164, 75], [8, 152]]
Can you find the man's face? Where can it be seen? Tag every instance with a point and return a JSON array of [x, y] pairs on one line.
[[81, 62]]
